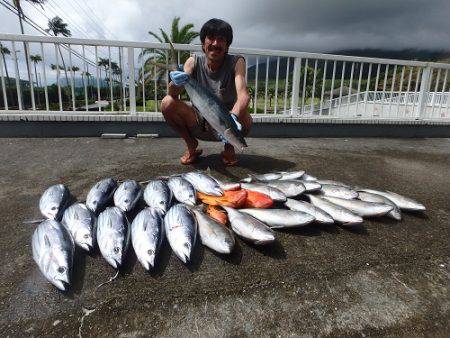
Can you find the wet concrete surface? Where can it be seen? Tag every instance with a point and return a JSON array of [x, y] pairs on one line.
[[385, 278]]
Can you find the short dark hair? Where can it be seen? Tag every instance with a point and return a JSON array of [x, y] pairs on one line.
[[217, 27]]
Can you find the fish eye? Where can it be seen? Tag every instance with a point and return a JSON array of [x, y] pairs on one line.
[[87, 236], [53, 208], [94, 202], [126, 201], [150, 252], [186, 245], [116, 250], [61, 269], [161, 202]]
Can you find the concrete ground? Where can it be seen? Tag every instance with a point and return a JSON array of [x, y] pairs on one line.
[[386, 278]]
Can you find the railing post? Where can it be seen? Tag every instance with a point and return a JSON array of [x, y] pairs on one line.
[[131, 82], [295, 85], [423, 93]]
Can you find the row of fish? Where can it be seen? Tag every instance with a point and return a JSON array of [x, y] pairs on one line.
[[172, 212]]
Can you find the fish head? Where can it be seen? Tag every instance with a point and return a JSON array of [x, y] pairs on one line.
[[147, 259], [113, 253], [58, 270], [93, 202], [84, 239], [183, 251], [51, 210], [235, 139], [189, 198], [277, 195]]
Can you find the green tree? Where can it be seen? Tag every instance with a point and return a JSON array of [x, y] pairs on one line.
[[36, 59], [5, 51], [180, 35]]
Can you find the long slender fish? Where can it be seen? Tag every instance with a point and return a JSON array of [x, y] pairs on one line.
[[249, 227], [53, 250], [311, 185], [273, 193], [101, 194], [291, 175], [79, 220], [213, 111], [181, 231], [146, 235], [157, 194], [361, 208], [113, 235], [182, 190], [127, 195], [290, 188], [395, 213], [339, 214], [203, 183], [320, 215], [280, 218], [403, 202], [53, 201], [262, 177], [213, 234], [337, 191]]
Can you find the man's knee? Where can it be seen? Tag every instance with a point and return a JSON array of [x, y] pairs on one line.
[[168, 105]]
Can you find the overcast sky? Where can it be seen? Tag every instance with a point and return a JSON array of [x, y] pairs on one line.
[[300, 25]]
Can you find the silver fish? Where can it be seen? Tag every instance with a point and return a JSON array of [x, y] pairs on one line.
[[181, 231], [113, 235], [213, 234], [249, 227], [158, 195], [320, 215], [213, 111], [273, 193], [182, 190], [291, 175], [361, 208], [146, 235], [53, 201], [127, 195], [333, 183], [280, 218], [403, 202], [228, 185], [308, 177], [53, 250], [395, 213], [337, 191], [290, 188], [311, 185], [101, 194], [262, 177], [339, 214], [79, 220], [203, 183]]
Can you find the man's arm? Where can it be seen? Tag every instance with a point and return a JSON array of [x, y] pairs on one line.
[[175, 91], [243, 99]]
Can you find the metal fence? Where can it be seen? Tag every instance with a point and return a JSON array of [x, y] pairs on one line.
[[82, 76]]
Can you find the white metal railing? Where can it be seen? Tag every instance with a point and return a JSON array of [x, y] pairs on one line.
[[114, 77]]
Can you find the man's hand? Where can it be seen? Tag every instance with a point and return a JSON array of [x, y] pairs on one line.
[[179, 78]]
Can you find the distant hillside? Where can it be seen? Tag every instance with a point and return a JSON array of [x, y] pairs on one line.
[[407, 54]]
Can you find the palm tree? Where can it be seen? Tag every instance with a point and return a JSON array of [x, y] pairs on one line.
[[36, 59], [56, 26], [183, 35], [88, 76], [5, 51]]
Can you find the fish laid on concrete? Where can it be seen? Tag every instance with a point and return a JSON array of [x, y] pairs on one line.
[[79, 220], [101, 194], [127, 195], [262, 177], [291, 175], [274, 193], [249, 227], [213, 234], [181, 231], [395, 213], [403, 202], [203, 183], [339, 214], [158, 195], [280, 218], [146, 235], [53, 250], [307, 177], [320, 215], [361, 208], [182, 190], [337, 191], [290, 188], [113, 235], [311, 185], [230, 198], [228, 185], [331, 182], [53, 201], [216, 213], [257, 200]]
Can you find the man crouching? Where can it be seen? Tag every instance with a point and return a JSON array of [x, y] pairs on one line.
[[224, 75]]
